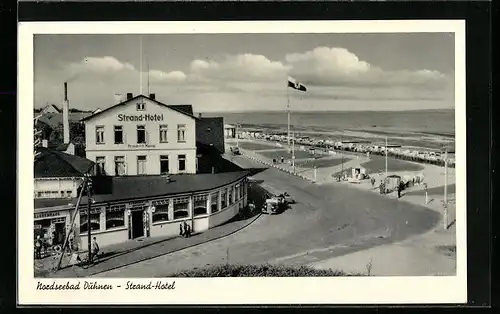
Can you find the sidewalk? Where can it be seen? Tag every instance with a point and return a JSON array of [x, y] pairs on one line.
[[133, 251]]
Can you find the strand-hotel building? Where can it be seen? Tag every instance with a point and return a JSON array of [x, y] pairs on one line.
[[154, 166]]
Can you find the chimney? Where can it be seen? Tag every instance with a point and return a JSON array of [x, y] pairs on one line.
[[45, 143], [152, 96], [66, 114], [130, 96], [118, 98]]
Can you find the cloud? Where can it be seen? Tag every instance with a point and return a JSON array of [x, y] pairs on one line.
[[170, 77], [325, 66], [241, 67], [98, 65]]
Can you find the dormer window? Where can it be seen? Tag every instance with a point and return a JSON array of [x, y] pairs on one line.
[[141, 106]]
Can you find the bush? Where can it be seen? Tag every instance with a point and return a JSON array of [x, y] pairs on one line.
[[229, 270]]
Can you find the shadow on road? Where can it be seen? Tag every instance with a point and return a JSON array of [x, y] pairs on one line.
[[254, 171]]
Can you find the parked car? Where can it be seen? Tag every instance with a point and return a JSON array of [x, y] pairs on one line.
[[235, 150], [288, 198]]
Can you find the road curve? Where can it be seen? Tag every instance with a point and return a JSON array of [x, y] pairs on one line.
[[328, 220]]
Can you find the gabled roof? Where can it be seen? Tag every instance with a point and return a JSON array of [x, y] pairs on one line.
[[54, 164], [184, 109], [53, 106]]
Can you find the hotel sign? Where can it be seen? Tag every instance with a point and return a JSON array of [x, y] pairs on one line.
[[141, 146], [49, 214], [140, 118]]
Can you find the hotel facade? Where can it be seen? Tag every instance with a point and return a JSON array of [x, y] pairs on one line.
[[132, 145], [142, 136]]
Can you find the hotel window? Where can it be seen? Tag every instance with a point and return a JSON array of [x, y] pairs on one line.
[[164, 165], [39, 194], [161, 210], [214, 202], [120, 166], [95, 220], [237, 193], [141, 106], [69, 193], [118, 134], [115, 216], [223, 199], [163, 133], [141, 134], [182, 162], [181, 133], [181, 208], [230, 192], [141, 164], [100, 163], [242, 190], [99, 135], [200, 205]]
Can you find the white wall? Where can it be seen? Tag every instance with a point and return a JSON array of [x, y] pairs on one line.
[[57, 184], [130, 149]]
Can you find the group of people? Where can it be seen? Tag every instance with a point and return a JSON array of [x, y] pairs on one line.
[[185, 230], [281, 159]]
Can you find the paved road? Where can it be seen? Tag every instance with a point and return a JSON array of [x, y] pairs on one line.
[[329, 220]]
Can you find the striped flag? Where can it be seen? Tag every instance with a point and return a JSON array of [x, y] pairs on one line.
[[296, 85]]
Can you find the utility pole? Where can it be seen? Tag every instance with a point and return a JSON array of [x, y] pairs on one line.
[[342, 157], [77, 211], [293, 152], [445, 203], [237, 135], [386, 151], [89, 223]]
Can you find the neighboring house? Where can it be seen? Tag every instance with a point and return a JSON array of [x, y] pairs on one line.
[[51, 109], [58, 174], [142, 136], [210, 131], [229, 131], [68, 148]]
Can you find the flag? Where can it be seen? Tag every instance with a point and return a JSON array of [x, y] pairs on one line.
[[296, 85]]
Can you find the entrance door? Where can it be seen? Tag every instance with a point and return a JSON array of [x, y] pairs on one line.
[[137, 224], [59, 233]]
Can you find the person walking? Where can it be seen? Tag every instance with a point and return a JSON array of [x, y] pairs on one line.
[[181, 229], [186, 229], [95, 249]]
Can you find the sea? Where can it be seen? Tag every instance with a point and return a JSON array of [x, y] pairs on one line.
[[429, 128], [441, 122]]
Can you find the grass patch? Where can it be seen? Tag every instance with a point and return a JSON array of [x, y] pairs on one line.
[[229, 270], [256, 146], [323, 163], [299, 154], [377, 164]]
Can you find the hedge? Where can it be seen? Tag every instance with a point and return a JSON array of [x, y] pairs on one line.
[[230, 270]]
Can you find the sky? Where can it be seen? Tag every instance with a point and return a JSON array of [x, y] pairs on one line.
[[249, 72]]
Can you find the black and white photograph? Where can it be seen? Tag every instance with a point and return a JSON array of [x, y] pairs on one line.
[[160, 157]]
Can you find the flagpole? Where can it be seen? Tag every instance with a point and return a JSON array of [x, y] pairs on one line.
[[140, 66], [149, 93], [446, 188]]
